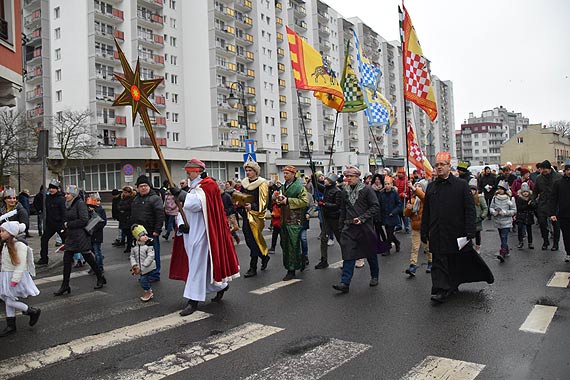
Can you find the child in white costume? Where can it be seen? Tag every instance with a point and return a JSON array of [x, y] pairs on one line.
[[16, 276]]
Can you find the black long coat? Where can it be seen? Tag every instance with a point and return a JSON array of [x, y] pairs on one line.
[[543, 193], [124, 216], [358, 241], [76, 217], [449, 213]]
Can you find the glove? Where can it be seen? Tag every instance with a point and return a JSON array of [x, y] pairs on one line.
[[174, 191], [184, 228], [424, 239], [13, 284], [320, 203]]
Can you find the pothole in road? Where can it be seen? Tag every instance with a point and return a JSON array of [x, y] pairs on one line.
[[305, 344]]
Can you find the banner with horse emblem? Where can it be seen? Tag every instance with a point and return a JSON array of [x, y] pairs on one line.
[[313, 72]]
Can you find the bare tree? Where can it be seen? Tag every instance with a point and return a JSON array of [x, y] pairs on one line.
[[562, 126], [74, 139], [16, 141]]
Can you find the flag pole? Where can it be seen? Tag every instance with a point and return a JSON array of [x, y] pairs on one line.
[[377, 147], [334, 135], [311, 163], [403, 48]]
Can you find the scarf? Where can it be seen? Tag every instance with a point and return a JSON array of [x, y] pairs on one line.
[[353, 192], [502, 197], [252, 185], [376, 187], [69, 203]]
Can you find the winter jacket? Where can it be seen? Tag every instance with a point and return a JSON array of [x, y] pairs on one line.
[[38, 204], [542, 193], [560, 201], [97, 233], [142, 255], [18, 269], [76, 218], [390, 206], [148, 211], [449, 213], [401, 184], [416, 219], [276, 216], [24, 200], [125, 206], [331, 199], [115, 207], [525, 209], [506, 208], [488, 185], [229, 207], [480, 212], [22, 215], [516, 186], [170, 207], [55, 210]]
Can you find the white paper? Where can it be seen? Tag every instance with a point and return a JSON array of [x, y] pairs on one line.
[[462, 242]]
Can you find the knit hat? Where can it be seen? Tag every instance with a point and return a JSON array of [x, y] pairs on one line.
[[545, 164], [351, 170], [252, 165], [143, 179], [72, 189], [524, 171], [332, 178], [13, 228], [504, 185], [138, 230], [462, 165], [54, 184], [525, 187], [115, 192], [473, 183]]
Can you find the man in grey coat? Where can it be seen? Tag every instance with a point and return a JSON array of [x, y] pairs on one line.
[[358, 237]]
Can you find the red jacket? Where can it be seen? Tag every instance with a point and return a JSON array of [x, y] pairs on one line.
[[402, 185]]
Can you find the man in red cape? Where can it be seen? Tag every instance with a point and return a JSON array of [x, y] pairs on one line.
[[204, 255]]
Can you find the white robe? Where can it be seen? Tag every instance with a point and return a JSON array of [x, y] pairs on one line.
[[200, 279]]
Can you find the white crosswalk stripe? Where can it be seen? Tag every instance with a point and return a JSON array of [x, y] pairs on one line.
[[539, 319], [559, 280], [69, 300], [272, 287], [336, 265], [204, 351], [22, 364], [313, 364], [434, 367]]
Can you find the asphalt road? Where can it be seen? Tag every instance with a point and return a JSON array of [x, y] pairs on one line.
[[303, 330]]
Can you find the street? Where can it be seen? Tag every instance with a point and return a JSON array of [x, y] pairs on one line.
[[269, 329]]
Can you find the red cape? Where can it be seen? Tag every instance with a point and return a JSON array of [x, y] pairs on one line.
[[222, 250]]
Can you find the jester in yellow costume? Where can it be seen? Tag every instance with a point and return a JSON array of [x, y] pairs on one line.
[[252, 209]]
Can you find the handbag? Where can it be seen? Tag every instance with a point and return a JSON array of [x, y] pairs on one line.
[[232, 222], [94, 219]]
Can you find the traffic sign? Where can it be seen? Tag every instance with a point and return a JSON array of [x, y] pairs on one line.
[[128, 169], [249, 157], [249, 146]]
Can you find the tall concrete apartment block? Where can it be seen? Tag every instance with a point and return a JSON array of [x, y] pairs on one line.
[[206, 51], [482, 137]]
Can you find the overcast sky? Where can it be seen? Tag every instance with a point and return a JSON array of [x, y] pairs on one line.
[[514, 53]]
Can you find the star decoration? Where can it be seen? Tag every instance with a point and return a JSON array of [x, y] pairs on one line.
[[136, 91]]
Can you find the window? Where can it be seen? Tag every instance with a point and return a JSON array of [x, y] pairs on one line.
[[174, 79], [59, 116], [57, 54], [174, 117], [173, 59], [58, 74], [172, 41], [175, 136], [174, 98], [520, 140], [172, 4], [173, 23], [57, 33], [58, 95], [56, 13]]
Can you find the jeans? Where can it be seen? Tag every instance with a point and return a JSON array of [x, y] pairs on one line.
[[404, 218], [504, 235], [169, 224], [525, 228], [155, 274], [304, 243], [348, 269], [120, 236], [144, 280], [96, 248]]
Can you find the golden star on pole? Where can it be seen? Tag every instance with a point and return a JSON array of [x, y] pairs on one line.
[[136, 91]]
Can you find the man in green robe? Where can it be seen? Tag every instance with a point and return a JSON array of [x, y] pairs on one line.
[[293, 199]]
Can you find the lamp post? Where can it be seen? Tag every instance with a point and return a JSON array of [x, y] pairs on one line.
[[234, 100]]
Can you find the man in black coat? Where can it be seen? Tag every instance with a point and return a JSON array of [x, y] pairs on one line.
[[560, 207], [120, 240], [487, 186], [55, 217], [449, 213], [542, 198], [358, 237], [330, 207], [147, 209]]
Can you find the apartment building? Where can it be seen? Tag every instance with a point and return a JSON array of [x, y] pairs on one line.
[[209, 54], [10, 52]]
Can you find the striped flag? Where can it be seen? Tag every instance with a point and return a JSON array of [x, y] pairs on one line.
[[417, 80]]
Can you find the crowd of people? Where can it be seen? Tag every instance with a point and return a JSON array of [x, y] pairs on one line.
[[362, 213]]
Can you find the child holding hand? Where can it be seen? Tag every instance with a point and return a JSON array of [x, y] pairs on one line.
[[142, 260]]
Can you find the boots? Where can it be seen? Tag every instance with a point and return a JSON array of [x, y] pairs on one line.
[[264, 261], [252, 271], [530, 246], [34, 315], [322, 264], [501, 255], [62, 290], [10, 327], [100, 282], [190, 309], [520, 245]]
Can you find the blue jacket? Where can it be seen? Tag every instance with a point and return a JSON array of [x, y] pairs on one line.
[[390, 206]]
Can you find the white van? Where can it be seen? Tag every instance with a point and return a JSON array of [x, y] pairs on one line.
[[476, 169]]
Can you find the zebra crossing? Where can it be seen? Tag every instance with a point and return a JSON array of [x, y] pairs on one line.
[[323, 359]]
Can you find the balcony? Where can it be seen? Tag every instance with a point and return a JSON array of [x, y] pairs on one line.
[[324, 30], [284, 147], [225, 13], [107, 56], [34, 56], [282, 83], [245, 22], [109, 78], [305, 102], [231, 144], [35, 113], [247, 39], [154, 41], [247, 57], [227, 51], [323, 15], [280, 52], [280, 67], [31, 3], [160, 101], [252, 127], [33, 20], [278, 6], [34, 74], [35, 37], [299, 10], [279, 21], [151, 20], [156, 4], [282, 99], [353, 137], [35, 94], [283, 115], [115, 17], [121, 120], [301, 25], [307, 116], [243, 5], [279, 37], [250, 91], [283, 131], [329, 118], [251, 109], [325, 46], [145, 141], [353, 123]]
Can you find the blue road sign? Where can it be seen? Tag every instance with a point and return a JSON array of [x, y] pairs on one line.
[[249, 157], [249, 146], [128, 169]]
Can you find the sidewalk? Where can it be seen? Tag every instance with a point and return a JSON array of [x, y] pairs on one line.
[[55, 258]]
